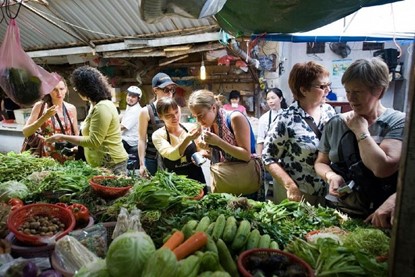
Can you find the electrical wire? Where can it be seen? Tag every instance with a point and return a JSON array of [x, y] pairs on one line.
[[7, 10], [394, 33], [48, 15]]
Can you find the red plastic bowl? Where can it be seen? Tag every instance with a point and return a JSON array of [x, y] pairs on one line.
[[199, 196], [244, 269], [105, 191], [20, 216]]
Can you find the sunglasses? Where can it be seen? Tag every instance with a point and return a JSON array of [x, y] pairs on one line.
[[168, 90], [323, 87]]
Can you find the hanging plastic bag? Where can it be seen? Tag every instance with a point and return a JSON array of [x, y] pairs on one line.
[[21, 78]]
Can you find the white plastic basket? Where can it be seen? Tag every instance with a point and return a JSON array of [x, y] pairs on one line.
[[21, 115]]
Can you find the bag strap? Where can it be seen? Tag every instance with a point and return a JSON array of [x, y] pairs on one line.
[[65, 114], [313, 126], [151, 110], [42, 108], [168, 135], [253, 140]]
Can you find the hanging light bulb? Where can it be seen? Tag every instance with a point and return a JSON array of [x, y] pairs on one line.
[[203, 71]]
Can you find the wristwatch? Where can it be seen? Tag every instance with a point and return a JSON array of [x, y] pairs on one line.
[[363, 136]]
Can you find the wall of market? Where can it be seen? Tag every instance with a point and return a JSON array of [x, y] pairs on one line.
[[292, 53]]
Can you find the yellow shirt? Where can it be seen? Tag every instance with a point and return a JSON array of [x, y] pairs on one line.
[[102, 136], [170, 150]]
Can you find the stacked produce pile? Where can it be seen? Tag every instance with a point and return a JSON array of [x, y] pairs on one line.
[[227, 225]]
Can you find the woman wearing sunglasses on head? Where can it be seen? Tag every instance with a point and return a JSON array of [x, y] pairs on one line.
[[290, 147]]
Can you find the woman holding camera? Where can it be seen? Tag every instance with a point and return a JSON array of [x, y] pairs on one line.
[[52, 115], [175, 141], [362, 147], [101, 136]]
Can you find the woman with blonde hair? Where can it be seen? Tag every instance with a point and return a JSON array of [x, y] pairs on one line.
[[226, 136]]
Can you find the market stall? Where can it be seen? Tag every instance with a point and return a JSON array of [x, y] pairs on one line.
[[203, 234]]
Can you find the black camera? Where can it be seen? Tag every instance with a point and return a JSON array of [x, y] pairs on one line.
[[67, 152], [65, 148], [62, 145]]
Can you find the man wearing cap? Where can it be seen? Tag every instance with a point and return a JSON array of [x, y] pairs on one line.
[[129, 121], [149, 121]]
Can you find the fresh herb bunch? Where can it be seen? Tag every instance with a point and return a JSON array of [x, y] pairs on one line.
[[15, 167]]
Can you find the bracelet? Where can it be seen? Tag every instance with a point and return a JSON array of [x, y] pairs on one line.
[[363, 136]]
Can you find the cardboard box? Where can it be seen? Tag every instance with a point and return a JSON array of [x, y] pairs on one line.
[[22, 115]]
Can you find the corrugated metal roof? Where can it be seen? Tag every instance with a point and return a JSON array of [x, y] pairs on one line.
[[77, 23]]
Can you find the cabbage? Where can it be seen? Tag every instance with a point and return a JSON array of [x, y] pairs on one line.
[[13, 189], [128, 254], [94, 269]]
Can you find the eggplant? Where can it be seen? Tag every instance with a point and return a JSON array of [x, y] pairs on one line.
[[30, 269]]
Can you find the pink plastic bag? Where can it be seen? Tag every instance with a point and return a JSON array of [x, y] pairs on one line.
[[21, 78]]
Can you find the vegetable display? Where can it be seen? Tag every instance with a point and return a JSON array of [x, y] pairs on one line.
[[204, 236]]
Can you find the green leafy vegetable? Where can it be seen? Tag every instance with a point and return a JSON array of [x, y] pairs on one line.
[[371, 241], [13, 189], [128, 254]]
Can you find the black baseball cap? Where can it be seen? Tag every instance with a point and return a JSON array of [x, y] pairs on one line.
[[162, 80]]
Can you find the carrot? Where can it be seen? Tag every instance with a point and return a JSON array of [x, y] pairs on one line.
[[175, 240], [191, 245]]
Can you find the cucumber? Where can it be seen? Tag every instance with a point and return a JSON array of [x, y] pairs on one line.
[[189, 267], [203, 224], [241, 236], [210, 228], [230, 230], [188, 228], [253, 239], [264, 241], [211, 246], [219, 227], [274, 245], [226, 259], [209, 261]]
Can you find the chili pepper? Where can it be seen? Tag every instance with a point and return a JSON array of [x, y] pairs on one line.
[[80, 212], [15, 201]]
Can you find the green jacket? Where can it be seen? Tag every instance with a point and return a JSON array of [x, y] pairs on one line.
[[102, 136]]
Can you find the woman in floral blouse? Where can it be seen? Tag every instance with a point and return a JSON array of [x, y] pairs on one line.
[[51, 116], [290, 147]]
